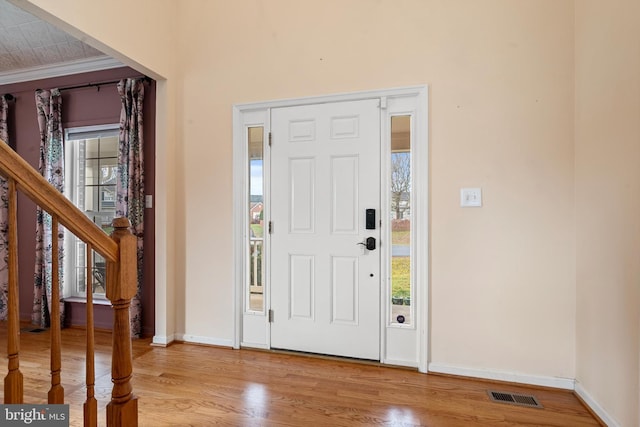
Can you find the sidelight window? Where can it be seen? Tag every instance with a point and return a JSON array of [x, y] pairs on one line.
[[255, 295], [400, 221]]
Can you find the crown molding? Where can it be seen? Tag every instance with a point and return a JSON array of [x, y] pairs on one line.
[[58, 70]]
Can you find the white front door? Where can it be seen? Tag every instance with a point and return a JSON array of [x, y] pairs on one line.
[[325, 175]]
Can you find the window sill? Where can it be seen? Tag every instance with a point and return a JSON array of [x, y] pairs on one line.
[[83, 300]]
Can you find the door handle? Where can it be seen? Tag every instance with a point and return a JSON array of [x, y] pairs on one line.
[[369, 243]]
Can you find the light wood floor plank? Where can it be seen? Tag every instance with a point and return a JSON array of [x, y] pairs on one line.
[[192, 385]]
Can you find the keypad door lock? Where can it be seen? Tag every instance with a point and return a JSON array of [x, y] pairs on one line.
[[370, 219]]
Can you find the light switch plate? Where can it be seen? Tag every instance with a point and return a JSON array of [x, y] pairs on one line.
[[148, 201], [470, 197]]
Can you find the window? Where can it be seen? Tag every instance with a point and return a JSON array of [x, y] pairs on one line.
[[400, 221], [91, 171], [256, 266]]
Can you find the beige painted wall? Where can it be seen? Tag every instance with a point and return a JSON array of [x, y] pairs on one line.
[[501, 78], [139, 32], [501, 117], [608, 204]]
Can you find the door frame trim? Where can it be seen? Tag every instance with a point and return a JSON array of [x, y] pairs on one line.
[[421, 180]]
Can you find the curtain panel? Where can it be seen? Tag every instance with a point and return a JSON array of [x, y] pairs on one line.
[[130, 182], [51, 167], [4, 226]]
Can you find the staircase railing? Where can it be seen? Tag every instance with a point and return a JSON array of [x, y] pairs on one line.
[[119, 250]]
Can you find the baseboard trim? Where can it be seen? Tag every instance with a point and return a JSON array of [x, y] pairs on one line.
[[495, 375], [402, 363], [162, 340], [254, 345], [595, 406], [195, 339]]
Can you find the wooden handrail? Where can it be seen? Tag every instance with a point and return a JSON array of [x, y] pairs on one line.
[[38, 189]]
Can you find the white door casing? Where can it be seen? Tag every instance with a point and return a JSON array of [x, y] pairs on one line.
[[325, 172], [407, 344]]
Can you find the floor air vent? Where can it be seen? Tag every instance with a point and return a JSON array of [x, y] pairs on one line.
[[33, 330], [514, 399]]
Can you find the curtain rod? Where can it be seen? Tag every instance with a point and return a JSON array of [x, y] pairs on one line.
[[146, 80]]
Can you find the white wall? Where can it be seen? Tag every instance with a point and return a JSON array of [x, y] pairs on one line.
[[608, 205], [502, 106]]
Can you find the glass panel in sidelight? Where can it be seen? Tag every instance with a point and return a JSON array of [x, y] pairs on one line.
[[400, 221], [255, 287]]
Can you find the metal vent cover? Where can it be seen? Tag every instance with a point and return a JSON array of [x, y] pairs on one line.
[[32, 330], [526, 400]]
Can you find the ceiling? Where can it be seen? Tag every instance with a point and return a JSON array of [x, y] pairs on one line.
[[28, 43]]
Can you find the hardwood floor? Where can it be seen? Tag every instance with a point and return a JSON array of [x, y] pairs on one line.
[[192, 385]]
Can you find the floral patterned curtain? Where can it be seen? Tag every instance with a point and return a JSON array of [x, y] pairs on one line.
[[51, 166], [4, 226], [130, 183]]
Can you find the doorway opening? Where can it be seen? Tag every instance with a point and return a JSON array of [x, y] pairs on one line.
[[331, 225]]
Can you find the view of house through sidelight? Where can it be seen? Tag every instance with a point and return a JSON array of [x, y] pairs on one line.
[[400, 221], [255, 294]]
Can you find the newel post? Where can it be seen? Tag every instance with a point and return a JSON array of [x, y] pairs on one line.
[[122, 285]]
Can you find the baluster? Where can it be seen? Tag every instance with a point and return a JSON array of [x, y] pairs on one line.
[[261, 269], [13, 382], [254, 257], [122, 282], [91, 405], [56, 393]]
